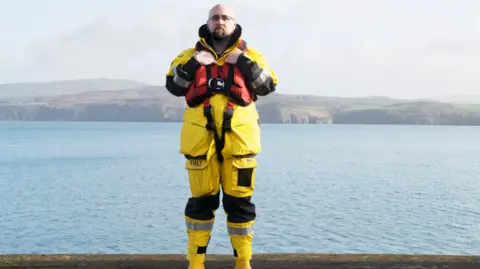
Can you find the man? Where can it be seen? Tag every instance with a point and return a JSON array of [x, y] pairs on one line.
[[220, 79]]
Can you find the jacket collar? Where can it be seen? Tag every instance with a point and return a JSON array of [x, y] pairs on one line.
[[235, 39]]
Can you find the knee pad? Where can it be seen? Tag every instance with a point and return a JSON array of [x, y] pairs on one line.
[[241, 215], [238, 209], [202, 208]]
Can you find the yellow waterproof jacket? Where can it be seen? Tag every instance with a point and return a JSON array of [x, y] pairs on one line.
[[196, 141]]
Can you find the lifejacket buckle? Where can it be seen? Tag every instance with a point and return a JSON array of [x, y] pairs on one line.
[[216, 84]]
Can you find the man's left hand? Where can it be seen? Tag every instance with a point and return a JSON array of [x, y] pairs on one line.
[[233, 56]]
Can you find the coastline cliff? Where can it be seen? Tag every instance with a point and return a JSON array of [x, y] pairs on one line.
[[123, 100]]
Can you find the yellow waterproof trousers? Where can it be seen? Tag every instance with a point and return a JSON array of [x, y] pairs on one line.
[[234, 175]]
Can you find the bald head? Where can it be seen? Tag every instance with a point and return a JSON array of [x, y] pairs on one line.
[[221, 21], [221, 9]]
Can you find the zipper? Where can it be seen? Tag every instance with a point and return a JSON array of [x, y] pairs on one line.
[[209, 48], [213, 51]]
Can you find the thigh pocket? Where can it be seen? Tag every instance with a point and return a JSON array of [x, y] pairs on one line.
[[243, 175], [203, 177]]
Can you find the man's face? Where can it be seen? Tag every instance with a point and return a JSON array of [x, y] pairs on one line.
[[221, 23]]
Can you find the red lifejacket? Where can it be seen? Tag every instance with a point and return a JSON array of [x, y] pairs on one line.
[[213, 79]]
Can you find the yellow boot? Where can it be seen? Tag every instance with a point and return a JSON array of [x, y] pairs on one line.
[[242, 264], [197, 247], [196, 264]]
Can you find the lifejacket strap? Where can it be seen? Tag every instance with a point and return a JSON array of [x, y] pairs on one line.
[[228, 115], [207, 111], [229, 82]]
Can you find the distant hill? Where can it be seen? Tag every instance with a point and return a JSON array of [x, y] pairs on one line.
[[122, 100], [16, 91]]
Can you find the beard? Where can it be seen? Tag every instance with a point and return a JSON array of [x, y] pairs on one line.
[[220, 34]]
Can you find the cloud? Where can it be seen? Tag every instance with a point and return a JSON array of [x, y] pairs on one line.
[[324, 49], [120, 45], [124, 44]]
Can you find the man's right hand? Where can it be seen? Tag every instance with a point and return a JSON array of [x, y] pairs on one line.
[[205, 58]]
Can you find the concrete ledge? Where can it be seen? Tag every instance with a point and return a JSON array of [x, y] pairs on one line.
[[260, 261]]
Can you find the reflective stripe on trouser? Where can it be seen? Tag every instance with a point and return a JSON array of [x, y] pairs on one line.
[[198, 238], [199, 226], [241, 235], [239, 231]]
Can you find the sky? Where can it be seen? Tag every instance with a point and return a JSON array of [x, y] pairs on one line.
[[396, 48]]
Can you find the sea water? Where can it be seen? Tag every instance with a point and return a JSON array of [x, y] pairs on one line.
[[83, 187]]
